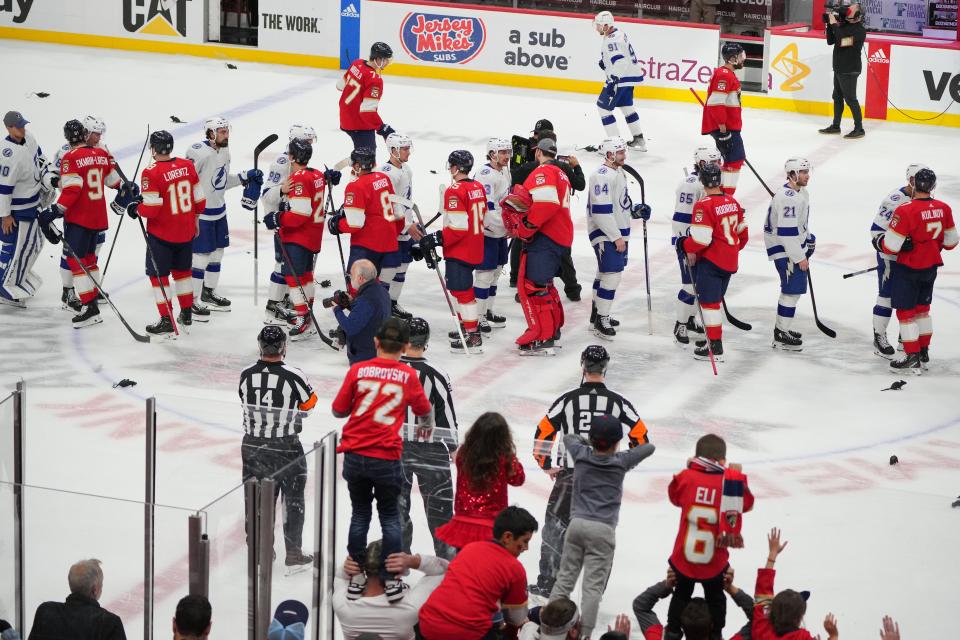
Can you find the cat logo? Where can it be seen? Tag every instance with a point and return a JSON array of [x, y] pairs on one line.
[[156, 17]]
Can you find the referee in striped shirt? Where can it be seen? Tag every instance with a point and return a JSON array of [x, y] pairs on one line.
[[275, 398], [572, 413]]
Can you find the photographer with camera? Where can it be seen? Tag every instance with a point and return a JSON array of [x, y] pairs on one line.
[[845, 31]]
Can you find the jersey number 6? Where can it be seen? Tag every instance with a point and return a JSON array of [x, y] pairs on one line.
[[698, 544]]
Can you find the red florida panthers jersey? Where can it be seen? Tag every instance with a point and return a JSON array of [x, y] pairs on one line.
[[303, 224], [929, 223], [360, 98], [172, 199], [723, 102], [368, 205], [464, 206], [718, 231], [84, 171], [549, 188], [697, 493]]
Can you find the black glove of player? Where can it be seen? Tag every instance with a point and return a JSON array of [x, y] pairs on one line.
[[431, 258], [907, 245], [640, 212], [272, 220], [50, 214], [681, 253], [385, 130], [723, 142], [416, 252], [332, 176], [877, 242], [811, 245], [431, 241], [132, 207], [333, 223]]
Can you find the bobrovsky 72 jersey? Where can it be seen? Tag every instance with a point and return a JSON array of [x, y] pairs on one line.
[[689, 192], [213, 167], [786, 230], [496, 185], [402, 180], [608, 205], [882, 220]]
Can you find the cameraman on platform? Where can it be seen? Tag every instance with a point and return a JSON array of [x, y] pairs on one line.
[[845, 31]]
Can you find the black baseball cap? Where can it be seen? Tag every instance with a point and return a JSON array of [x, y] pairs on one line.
[[16, 119], [606, 430], [542, 124]]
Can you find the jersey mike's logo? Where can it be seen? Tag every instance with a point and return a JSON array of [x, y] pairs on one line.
[[438, 38], [156, 17], [787, 63]]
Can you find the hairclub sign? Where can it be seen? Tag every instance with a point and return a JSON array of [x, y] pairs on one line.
[[432, 37]]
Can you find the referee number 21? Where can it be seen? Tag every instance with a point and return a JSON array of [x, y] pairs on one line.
[[386, 396]]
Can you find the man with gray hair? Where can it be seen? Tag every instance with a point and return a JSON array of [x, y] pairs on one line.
[[81, 616], [360, 316]]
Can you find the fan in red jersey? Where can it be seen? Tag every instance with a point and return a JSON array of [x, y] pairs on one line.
[[721, 114], [361, 88]]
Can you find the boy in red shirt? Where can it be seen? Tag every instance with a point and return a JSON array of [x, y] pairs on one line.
[[712, 499], [484, 578], [375, 395]]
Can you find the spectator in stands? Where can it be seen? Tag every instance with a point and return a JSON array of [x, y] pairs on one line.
[[373, 613], [485, 578], [81, 615], [7, 632], [289, 621], [703, 11], [192, 619]]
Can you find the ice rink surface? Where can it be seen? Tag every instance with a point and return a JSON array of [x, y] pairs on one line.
[[813, 430]]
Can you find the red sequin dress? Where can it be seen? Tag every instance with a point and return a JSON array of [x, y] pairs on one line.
[[474, 511]]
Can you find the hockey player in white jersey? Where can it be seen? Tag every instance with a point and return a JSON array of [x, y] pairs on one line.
[[790, 244], [24, 171], [881, 310], [494, 175], [689, 191], [212, 160], [393, 271], [609, 210], [619, 61]]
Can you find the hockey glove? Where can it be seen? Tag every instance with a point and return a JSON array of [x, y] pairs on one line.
[[333, 223], [431, 241], [602, 66], [431, 258], [251, 193], [724, 142], [640, 212], [251, 175], [877, 242], [50, 180], [50, 214], [416, 253], [811, 244], [132, 207], [907, 245], [126, 194], [332, 176], [272, 220], [681, 252], [385, 130]]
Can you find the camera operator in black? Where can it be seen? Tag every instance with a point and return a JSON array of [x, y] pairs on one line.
[[845, 31]]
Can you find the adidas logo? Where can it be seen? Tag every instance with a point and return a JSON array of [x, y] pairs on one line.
[[350, 12], [879, 57]]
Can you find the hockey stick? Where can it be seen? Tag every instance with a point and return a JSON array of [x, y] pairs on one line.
[[646, 261], [139, 337], [824, 328], [739, 324], [859, 273], [116, 234], [702, 104], [330, 210], [696, 298], [316, 325], [266, 142]]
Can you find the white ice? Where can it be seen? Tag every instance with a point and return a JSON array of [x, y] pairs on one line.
[[813, 429]]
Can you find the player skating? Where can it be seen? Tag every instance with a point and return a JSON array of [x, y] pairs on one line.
[[495, 178], [882, 310], [722, 114], [212, 161], [361, 88], [919, 230], [619, 61], [395, 265], [790, 245], [689, 192], [718, 232]]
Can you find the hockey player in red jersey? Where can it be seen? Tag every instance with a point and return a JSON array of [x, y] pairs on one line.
[[361, 88], [721, 114], [712, 497], [919, 230], [84, 171], [300, 225], [171, 201], [717, 234], [464, 206], [538, 214]]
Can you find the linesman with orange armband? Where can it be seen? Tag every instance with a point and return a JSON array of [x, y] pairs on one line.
[[572, 413]]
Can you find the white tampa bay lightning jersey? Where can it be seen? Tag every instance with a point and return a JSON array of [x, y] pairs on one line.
[[22, 167], [279, 172], [689, 191], [402, 180], [213, 167], [882, 221], [618, 59], [496, 185], [608, 205], [786, 230]]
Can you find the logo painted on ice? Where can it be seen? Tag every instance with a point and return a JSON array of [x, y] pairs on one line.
[[439, 38]]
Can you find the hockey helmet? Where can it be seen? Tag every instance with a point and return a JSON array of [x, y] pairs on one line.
[[93, 124], [272, 340], [706, 155], [603, 19], [925, 180], [300, 151], [75, 132], [380, 51], [914, 168], [461, 159], [733, 53], [498, 144], [595, 359], [794, 165], [419, 332], [304, 132], [398, 141], [710, 176], [161, 142], [613, 145], [215, 123], [365, 157]]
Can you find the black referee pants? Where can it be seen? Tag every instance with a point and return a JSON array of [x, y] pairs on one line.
[[264, 457], [429, 464], [555, 523]]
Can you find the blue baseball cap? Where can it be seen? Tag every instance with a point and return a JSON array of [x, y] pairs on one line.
[[289, 621], [15, 119]]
